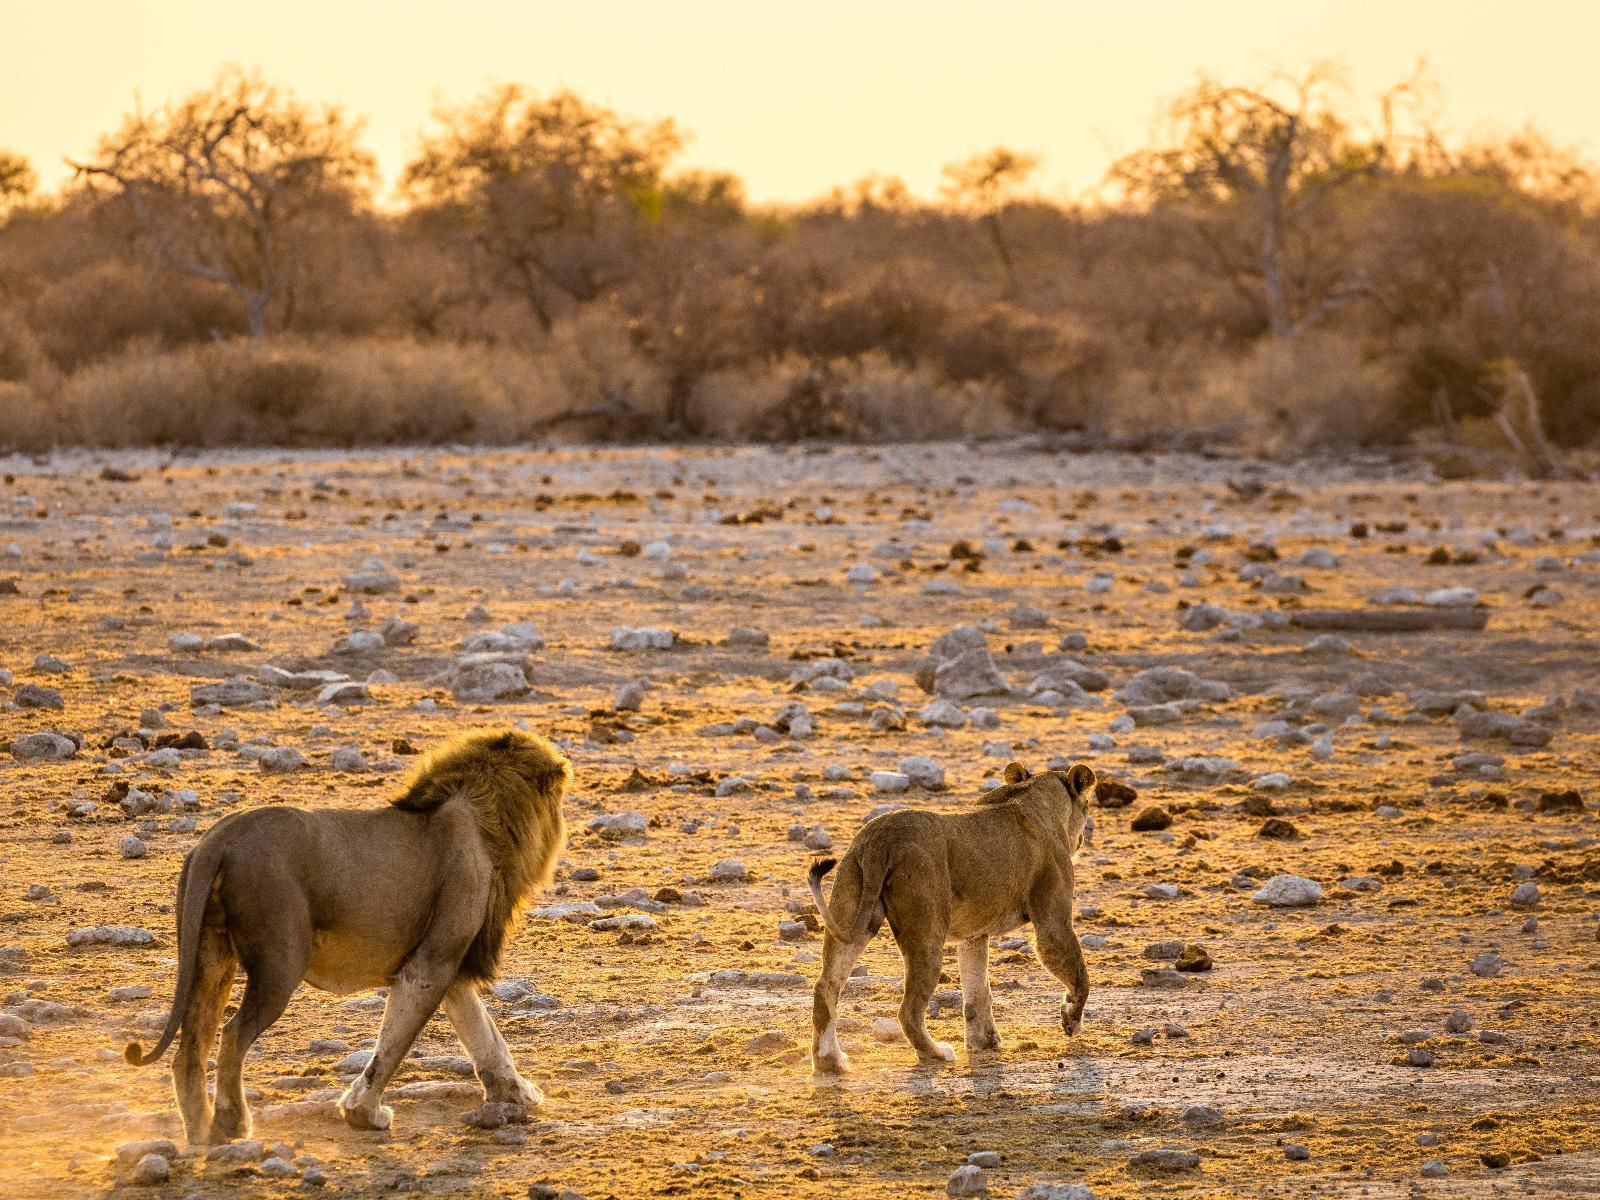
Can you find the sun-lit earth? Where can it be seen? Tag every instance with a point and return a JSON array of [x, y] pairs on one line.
[[675, 1059]]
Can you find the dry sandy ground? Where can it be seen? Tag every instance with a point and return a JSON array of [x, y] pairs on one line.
[[664, 1078]]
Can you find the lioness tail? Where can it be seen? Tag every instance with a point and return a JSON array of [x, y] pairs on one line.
[[814, 880]]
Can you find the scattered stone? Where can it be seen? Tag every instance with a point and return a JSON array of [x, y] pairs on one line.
[[629, 697], [625, 637], [111, 935], [1295, 1152], [150, 1169], [1151, 819], [729, 870], [485, 682], [1289, 891], [1194, 958], [43, 747], [923, 772], [1164, 1160], [131, 847], [36, 695], [1487, 965], [281, 760], [229, 693], [620, 825], [967, 1181], [1278, 827], [1525, 895]]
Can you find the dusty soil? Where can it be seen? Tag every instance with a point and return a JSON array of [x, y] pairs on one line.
[[663, 1080]]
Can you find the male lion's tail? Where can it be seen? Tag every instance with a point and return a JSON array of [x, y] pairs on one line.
[[199, 872], [872, 880]]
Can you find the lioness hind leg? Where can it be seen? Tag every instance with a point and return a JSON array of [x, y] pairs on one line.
[[490, 1055], [838, 958], [924, 955], [214, 973], [977, 1006], [1063, 958]]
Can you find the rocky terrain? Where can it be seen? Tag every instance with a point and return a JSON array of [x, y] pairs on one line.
[[1340, 907]]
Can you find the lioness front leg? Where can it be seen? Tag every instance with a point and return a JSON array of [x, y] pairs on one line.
[[977, 1006], [490, 1055], [413, 998], [1063, 958]]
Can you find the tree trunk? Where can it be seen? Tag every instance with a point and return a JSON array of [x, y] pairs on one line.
[[255, 315], [1278, 317]]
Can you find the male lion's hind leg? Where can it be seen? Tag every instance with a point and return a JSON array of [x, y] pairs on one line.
[[923, 952], [1063, 958], [837, 960], [977, 1007], [414, 998], [490, 1055], [214, 972], [270, 983]]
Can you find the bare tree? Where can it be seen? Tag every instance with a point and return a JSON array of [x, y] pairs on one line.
[[221, 183], [986, 183], [1273, 155], [551, 190], [17, 181]]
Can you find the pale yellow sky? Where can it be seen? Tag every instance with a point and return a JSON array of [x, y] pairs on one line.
[[796, 97]]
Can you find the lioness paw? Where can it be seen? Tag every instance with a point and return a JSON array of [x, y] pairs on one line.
[[942, 1052], [380, 1117], [837, 1063]]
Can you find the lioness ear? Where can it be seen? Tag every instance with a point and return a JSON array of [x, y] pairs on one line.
[[1016, 772], [1080, 779]]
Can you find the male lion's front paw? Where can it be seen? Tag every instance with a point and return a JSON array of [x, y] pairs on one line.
[[1071, 1020], [941, 1052]]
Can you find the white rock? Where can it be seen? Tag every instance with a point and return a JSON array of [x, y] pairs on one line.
[[131, 847], [967, 1181], [349, 758], [862, 573], [1289, 891], [923, 772], [1450, 597], [946, 714], [110, 935], [729, 870], [1272, 781], [1525, 894], [362, 641], [42, 747], [151, 1169], [619, 825], [889, 781], [348, 692], [483, 682], [281, 760], [627, 638]]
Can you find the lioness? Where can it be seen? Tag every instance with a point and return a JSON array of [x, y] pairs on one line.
[[418, 895], [959, 877]]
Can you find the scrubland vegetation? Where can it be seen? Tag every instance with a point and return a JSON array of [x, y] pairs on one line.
[[1277, 270]]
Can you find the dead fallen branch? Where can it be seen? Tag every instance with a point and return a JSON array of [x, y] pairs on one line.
[[1408, 620]]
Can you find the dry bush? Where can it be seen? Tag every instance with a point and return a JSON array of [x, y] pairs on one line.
[[27, 421], [1309, 392], [366, 391], [108, 306], [869, 398]]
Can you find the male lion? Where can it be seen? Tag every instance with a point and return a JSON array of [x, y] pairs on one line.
[[958, 877], [418, 895]]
